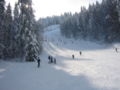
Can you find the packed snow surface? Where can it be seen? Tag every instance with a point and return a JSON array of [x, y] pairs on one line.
[[98, 68]]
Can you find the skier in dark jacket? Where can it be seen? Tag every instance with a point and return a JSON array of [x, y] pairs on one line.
[[49, 58], [73, 56], [116, 49], [38, 61], [80, 53], [54, 60]]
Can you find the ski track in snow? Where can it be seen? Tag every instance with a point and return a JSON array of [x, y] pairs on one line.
[[98, 68]]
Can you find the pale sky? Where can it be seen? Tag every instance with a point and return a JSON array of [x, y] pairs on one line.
[[44, 8]]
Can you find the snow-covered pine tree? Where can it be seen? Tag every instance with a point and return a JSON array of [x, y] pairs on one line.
[[118, 8], [112, 21], [16, 19], [27, 35], [8, 33], [2, 13], [16, 27]]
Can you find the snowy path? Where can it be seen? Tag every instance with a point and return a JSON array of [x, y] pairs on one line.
[[97, 69]]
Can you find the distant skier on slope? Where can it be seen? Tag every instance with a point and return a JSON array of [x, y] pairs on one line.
[[54, 60], [80, 53], [38, 61], [49, 58], [116, 49], [73, 56]]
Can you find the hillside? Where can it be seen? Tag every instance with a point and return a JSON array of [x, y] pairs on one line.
[[98, 68]]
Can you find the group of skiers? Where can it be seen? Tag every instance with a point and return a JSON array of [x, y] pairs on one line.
[[73, 56], [50, 58], [53, 60]]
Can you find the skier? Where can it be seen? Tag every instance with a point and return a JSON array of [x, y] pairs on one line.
[[80, 53], [116, 49], [49, 58], [54, 60], [38, 61], [73, 56]]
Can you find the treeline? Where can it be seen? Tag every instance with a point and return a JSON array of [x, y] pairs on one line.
[[52, 20], [20, 36], [101, 21]]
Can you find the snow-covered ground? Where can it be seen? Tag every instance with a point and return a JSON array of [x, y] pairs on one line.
[[98, 68]]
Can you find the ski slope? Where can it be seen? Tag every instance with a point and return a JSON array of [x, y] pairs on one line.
[[98, 68]]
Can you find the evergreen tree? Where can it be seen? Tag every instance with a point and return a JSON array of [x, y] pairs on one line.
[[99, 22], [16, 18], [112, 21], [2, 13], [118, 8], [16, 27], [8, 35], [27, 35]]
